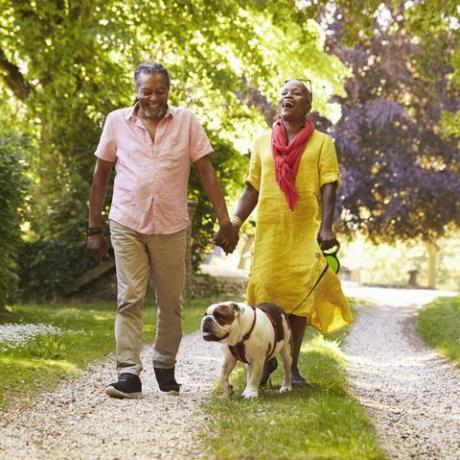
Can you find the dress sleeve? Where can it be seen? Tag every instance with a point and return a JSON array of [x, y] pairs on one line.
[[253, 176], [328, 165], [107, 147]]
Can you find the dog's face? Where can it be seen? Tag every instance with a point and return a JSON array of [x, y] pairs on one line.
[[219, 320]]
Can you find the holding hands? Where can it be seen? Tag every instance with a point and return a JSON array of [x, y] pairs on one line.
[[227, 237]]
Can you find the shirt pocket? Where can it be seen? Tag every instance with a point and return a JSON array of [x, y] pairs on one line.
[[174, 156]]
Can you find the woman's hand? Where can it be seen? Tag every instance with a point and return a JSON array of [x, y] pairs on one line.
[[327, 239]]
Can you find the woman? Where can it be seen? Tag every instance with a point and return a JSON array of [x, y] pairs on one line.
[[293, 176]]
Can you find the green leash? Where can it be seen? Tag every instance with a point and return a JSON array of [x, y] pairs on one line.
[[332, 262], [311, 290]]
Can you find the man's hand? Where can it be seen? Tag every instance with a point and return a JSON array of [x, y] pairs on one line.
[[97, 246], [227, 237]]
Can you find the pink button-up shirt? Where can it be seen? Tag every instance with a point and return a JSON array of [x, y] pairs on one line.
[[150, 189]]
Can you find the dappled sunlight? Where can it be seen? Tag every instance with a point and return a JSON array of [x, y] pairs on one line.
[[37, 363], [103, 318], [392, 296], [330, 348]]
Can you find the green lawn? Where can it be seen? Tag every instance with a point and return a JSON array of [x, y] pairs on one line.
[[45, 360], [439, 326], [323, 422]]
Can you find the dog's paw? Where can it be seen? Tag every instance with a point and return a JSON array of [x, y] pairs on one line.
[[250, 393], [285, 388], [228, 391]]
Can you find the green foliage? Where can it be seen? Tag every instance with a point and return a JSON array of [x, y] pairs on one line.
[[231, 169], [439, 326], [226, 61], [12, 189], [47, 266]]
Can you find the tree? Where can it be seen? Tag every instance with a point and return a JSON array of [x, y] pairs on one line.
[[12, 188], [70, 63], [401, 176]]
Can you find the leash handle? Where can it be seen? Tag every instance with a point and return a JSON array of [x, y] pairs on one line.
[[332, 251]]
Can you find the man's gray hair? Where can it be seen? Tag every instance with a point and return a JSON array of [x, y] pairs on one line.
[[150, 68]]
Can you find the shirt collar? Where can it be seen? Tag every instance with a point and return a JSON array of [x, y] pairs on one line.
[[132, 112]]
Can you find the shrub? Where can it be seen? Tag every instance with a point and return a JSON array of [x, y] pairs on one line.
[[12, 193]]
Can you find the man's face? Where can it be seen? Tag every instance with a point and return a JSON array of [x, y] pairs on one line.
[[152, 92], [295, 100]]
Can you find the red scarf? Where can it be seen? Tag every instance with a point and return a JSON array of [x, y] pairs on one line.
[[287, 158]]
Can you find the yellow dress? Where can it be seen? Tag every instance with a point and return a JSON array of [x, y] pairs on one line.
[[287, 260]]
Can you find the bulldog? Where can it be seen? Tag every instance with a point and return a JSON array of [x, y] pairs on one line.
[[251, 335]]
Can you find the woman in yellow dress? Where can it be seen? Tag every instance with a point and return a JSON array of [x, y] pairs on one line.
[[293, 176]]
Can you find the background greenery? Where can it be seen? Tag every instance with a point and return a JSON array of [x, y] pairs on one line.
[[385, 79], [439, 325]]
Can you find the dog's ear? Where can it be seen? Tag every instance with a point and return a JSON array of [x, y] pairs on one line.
[[236, 308]]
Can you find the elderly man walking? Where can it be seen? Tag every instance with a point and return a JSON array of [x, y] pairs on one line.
[[152, 146]]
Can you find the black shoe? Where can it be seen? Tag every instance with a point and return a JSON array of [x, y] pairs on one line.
[[166, 380], [298, 380], [269, 367], [128, 386]]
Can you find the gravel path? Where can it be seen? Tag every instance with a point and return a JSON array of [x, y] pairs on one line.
[[412, 394], [79, 421], [12, 335]]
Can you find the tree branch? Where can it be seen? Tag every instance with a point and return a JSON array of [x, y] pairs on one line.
[[13, 77]]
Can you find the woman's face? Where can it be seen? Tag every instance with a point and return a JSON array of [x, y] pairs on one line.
[[295, 101]]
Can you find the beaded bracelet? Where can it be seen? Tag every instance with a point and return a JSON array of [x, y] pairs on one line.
[[236, 222]]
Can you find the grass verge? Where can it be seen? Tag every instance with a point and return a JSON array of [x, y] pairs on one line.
[[43, 361], [322, 422], [439, 326]]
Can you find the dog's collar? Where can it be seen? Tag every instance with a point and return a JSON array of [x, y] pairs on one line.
[[238, 350], [248, 334]]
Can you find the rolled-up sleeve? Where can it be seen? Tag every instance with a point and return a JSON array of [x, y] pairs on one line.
[[254, 172], [328, 164], [199, 142], [107, 147]]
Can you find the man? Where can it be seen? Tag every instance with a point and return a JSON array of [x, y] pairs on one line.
[[152, 146]]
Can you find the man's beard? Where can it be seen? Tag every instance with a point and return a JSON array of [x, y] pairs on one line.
[[154, 113]]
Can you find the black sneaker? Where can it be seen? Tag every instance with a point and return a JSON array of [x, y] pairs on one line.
[[166, 380], [269, 367], [128, 386], [298, 380]]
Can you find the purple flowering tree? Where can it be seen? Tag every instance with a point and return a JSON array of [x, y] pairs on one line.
[[401, 175]]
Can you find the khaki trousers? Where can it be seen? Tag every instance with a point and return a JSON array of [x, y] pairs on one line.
[[138, 258]]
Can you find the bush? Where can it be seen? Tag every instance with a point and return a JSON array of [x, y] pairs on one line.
[[48, 266], [12, 194]]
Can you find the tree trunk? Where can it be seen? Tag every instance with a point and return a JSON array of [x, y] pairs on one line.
[[432, 250]]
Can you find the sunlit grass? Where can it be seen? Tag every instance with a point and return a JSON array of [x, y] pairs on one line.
[[439, 326], [87, 336], [323, 421]]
